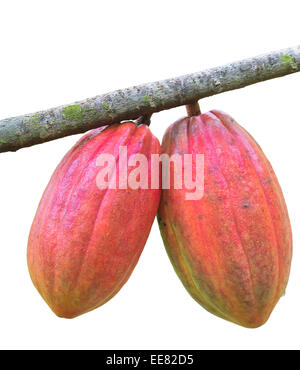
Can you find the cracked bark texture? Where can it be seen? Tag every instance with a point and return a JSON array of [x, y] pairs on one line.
[[130, 103]]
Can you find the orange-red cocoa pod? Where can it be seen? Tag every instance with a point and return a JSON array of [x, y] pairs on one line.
[[232, 248], [85, 241]]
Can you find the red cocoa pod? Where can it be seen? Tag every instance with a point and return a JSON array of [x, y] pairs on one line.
[[232, 248], [85, 241]]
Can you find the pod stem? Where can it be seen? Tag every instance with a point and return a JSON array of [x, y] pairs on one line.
[[193, 109], [145, 119]]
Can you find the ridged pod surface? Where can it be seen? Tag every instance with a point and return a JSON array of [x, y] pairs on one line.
[[85, 241], [232, 248]]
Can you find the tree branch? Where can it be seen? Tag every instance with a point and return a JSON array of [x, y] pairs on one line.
[[130, 103]]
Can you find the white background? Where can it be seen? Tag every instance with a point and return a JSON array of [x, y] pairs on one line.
[[57, 52]]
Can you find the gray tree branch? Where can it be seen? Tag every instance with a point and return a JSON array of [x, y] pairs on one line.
[[130, 103]]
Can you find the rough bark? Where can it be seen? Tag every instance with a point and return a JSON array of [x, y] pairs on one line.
[[130, 103]]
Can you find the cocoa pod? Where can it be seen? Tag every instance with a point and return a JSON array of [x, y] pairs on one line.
[[86, 240], [232, 248]]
